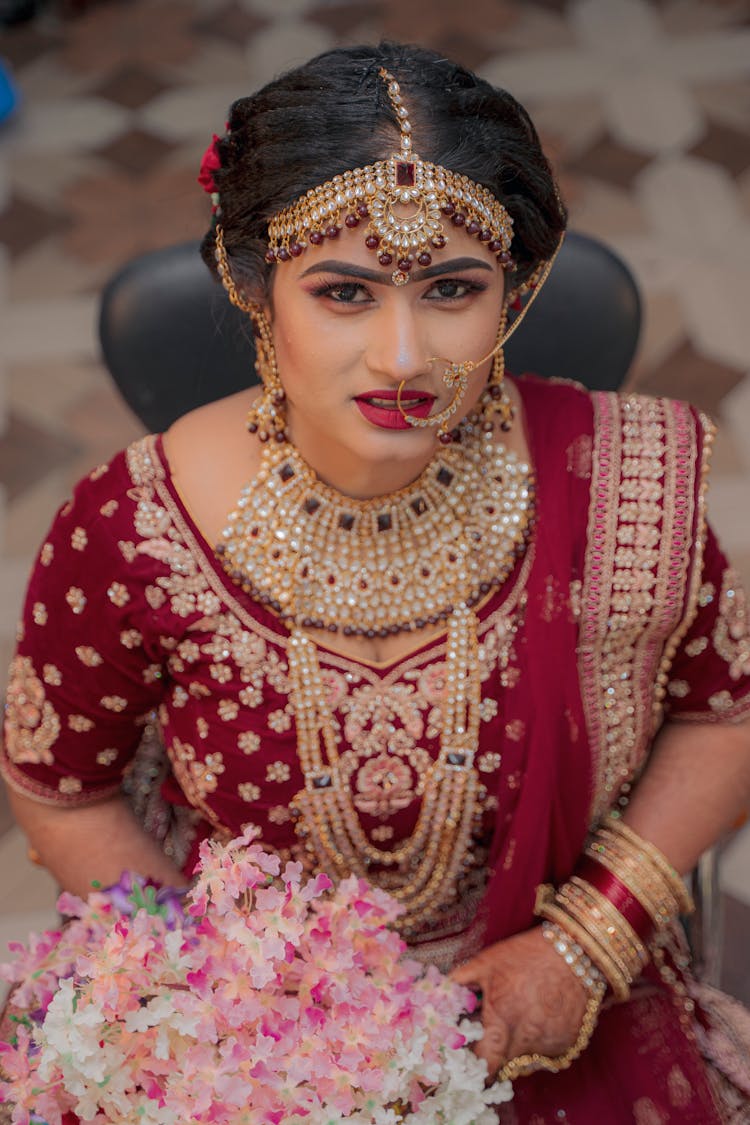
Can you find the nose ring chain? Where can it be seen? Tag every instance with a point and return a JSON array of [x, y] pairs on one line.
[[457, 374]]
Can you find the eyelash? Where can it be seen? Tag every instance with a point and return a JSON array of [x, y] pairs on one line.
[[328, 288]]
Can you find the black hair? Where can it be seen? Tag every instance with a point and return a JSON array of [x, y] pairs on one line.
[[333, 113]]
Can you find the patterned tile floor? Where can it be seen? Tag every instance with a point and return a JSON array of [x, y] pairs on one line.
[[644, 108]]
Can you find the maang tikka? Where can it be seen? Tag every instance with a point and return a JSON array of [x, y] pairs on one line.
[[378, 194]]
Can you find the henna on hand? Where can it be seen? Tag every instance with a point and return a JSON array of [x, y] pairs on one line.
[[531, 1001]]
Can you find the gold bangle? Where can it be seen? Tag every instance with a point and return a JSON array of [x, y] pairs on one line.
[[615, 976], [669, 873], [645, 876], [527, 1064], [610, 912], [546, 907], [607, 936], [659, 903]]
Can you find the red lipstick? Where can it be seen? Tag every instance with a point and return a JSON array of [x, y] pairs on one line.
[[380, 407]]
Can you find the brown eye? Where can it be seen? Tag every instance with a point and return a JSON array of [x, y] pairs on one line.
[[452, 289], [344, 292]]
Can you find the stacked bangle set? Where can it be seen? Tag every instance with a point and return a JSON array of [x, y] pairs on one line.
[[622, 893]]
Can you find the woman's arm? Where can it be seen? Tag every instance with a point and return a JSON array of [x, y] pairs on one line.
[[696, 785], [93, 842]]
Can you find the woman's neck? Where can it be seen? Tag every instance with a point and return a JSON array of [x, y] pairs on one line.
[[351, 476]]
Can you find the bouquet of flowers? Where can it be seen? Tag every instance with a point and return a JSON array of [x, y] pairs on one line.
[[255, 999]]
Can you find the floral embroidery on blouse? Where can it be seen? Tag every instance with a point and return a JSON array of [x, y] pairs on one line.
[[69, 786], [721, 702], [118, 594], [248, 791], [114, 703], [731, 636], [79, 539], [706, 594], [52, 675], [76, 599], [197, 777], [80, 723], [32, 723], [383, 786]]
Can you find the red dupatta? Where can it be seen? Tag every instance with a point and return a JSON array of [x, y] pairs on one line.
[[643, 1064]]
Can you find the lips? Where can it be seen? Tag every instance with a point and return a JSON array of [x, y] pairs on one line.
[[380, 407]]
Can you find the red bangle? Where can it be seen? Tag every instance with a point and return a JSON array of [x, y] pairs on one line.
[[621, 897]]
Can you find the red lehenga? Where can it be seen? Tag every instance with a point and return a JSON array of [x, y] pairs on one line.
[[622, 613]]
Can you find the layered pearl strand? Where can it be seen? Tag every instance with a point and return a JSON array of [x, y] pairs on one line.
[[423, 871], [427, 553]]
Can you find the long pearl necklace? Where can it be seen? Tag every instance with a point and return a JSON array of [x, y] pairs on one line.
[[427, 553]]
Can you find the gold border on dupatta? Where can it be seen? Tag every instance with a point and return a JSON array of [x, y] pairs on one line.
[[641, 575]]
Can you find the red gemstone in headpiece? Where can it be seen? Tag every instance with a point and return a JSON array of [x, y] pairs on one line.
[[405, 173]]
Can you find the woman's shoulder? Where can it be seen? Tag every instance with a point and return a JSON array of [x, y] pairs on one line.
[[209, 457], [564, 405], [195, 454]]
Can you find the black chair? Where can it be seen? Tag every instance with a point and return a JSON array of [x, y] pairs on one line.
[[172, 341]]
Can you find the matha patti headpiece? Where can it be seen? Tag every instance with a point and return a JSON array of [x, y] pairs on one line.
[[379, 193]]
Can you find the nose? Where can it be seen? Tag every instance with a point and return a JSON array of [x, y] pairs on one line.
[[397, 348]]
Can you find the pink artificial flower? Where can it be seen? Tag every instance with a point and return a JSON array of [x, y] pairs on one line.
[[272, 990]]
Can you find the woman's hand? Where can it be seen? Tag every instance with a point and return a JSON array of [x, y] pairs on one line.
[[531, 1001]]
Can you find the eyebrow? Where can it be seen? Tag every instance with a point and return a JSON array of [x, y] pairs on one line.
[[383, 277]]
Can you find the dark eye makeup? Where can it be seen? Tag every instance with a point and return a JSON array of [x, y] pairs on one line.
[[443, 290]]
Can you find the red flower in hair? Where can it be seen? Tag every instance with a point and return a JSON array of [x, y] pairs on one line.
[[209, 164]]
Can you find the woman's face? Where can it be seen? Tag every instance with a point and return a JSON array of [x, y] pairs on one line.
[[346, 337]]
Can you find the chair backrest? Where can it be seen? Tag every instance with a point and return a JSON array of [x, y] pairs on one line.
[[172, 341]]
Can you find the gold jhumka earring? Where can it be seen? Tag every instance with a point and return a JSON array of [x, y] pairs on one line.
[[266, 416]]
